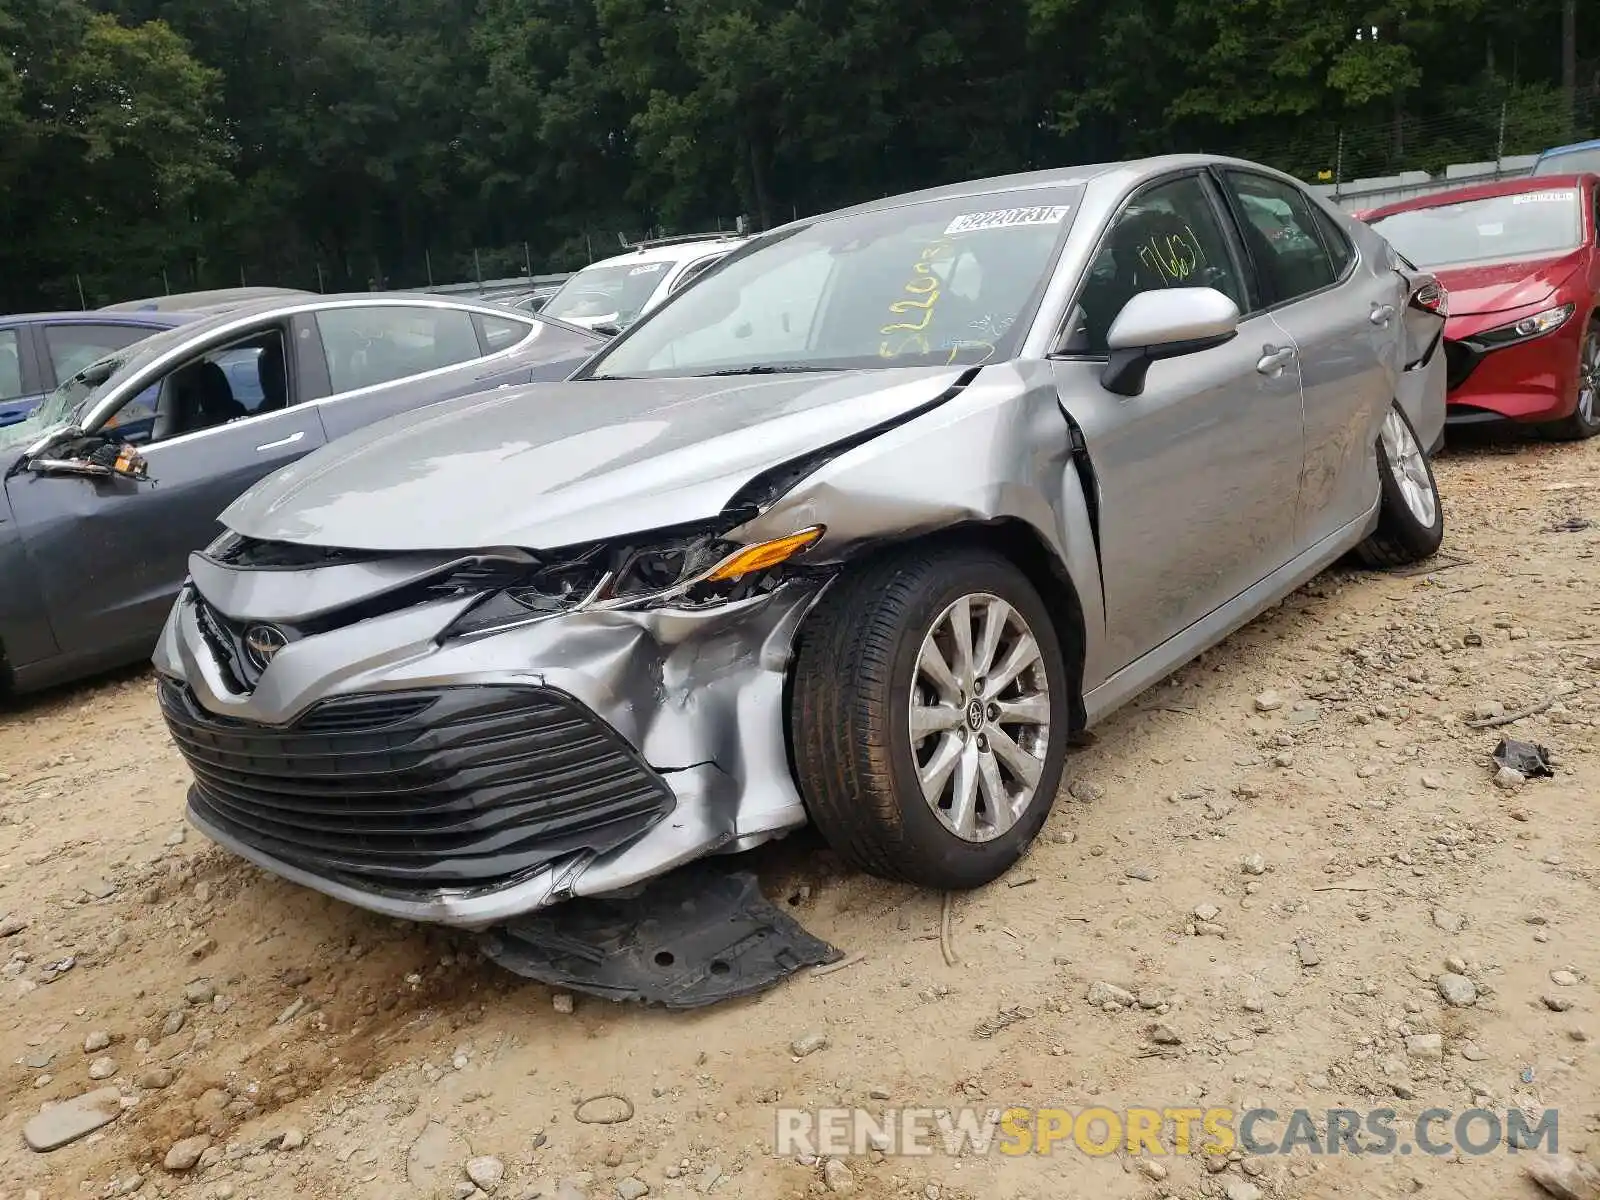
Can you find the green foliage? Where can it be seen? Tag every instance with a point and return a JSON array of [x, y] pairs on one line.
[[199, 143]]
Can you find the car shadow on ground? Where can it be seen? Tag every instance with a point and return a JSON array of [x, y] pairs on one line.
[[52, 700], [1492, 438]]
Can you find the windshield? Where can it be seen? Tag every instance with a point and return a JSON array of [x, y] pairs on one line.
[[71, 402], [1524, 225], [1573, 162], [941, 282], [615, 294]]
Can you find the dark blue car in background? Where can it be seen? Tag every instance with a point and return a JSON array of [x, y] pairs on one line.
[[38, 351]]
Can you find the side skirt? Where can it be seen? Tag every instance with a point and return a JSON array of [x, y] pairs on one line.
[[1238, 612]]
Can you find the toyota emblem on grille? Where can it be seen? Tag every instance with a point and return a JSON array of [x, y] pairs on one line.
[[262, 643]]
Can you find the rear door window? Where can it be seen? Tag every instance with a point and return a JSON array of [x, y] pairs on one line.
[[10, 364], [370, 346], [1340, 251], [499, 333], [1281, 232]]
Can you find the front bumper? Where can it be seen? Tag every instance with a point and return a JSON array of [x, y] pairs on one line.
[[469, 782], [1532, 381]]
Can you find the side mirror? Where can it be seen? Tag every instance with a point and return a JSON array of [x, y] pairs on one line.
[[1168, 323], [107, 461]]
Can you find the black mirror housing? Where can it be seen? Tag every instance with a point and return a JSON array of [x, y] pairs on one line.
[[1126, 369]]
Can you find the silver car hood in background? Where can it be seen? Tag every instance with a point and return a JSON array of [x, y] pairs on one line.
[[561, 463]]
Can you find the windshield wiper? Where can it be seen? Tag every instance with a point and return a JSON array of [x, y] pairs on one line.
[[765, 369]]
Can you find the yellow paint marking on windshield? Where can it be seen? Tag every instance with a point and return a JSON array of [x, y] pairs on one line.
[[911, 343], [917, 328], [922, 292]]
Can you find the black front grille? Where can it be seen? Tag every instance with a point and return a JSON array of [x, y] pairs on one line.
[[1460, 360], [409, 791]]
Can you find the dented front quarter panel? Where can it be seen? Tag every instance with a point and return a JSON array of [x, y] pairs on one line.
[[1000, 450]]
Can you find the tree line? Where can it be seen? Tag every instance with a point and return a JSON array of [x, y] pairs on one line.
[[150, 145]]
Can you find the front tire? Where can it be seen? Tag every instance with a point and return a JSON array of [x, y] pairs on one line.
[[930, 716], [1584, 420], [1410, 515]]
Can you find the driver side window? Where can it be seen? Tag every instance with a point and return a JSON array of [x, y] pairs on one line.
[[247, 377], [1168, 236]]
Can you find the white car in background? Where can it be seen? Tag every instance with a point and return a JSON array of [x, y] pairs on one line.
[[613, 293]]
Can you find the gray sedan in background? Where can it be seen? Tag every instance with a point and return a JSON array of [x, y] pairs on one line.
[[122, 471], [858, 530]]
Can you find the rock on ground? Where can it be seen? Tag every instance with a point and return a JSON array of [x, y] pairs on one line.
[[1457, 990], [486, 1171], [839, 1178], [72, 1119], [186, 1152], [1566, 1177]]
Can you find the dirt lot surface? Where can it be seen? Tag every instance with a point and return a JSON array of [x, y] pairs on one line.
[[1276, 854]]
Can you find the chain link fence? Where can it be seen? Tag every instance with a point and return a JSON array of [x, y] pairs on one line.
[[1487, 132]]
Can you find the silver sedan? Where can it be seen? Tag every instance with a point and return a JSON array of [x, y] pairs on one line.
[[857, 530]]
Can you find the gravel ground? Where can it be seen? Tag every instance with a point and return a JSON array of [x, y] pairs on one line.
[[1287, 877]]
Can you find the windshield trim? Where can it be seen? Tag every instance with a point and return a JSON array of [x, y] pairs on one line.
[[1027, 314]]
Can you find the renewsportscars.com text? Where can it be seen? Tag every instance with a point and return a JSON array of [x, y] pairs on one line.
[[1379, 1132]]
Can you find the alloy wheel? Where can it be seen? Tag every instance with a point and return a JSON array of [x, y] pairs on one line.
[[979, 719], [1409, 467], [1589, 376]]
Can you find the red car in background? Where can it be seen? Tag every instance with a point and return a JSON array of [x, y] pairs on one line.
[[1519, 261]]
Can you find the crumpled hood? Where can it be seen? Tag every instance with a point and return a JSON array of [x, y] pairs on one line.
[[561, 463], [1500, 287]]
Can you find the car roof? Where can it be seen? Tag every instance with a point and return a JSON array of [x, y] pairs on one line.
[[673, 251], [163, 320], [1592, 144], [1128, 172], [1481, 191], [288, 305], [210, 299]]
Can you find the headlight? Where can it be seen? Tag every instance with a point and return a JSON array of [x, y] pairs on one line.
[[1548, 321], [223, 545], [695, 571]]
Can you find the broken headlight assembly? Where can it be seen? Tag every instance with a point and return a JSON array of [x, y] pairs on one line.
[[694, 571]]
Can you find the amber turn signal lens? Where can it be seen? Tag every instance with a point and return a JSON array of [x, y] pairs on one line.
[[763, 555]]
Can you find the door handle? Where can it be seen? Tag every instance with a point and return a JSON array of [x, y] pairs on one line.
[[282, 442], [1381, 314], [1272, 362]]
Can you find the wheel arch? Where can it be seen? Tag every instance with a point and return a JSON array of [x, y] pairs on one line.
[[1026, 549]]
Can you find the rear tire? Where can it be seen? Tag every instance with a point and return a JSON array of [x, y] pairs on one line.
[[1410, 515], [1584, 420], [914, 765]]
